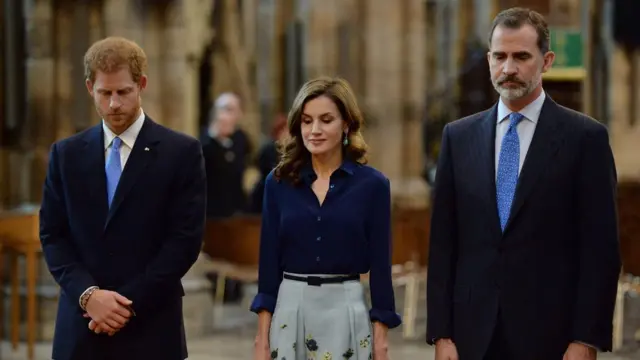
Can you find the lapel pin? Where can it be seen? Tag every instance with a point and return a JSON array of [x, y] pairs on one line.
[[146, 149]]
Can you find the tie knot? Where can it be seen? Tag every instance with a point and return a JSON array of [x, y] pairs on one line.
[[515, 118], [115, 144]]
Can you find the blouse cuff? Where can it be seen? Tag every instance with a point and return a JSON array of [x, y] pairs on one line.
[[389, 318], [263, 302]]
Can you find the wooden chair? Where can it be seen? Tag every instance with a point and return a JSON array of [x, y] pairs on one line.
[[246, 274], [232, 245], [626, 284], [19, 236], [410, 259], [411, 277]]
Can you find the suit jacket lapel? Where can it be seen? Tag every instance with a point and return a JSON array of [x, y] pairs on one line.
[[484, 147], [92, 159], [544, 145], [142, 153]]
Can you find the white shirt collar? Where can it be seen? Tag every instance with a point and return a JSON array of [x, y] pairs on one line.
[[129, 136], [530, 112]]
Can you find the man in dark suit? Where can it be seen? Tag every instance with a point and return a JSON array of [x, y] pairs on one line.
[[524, 255], [121, 220]]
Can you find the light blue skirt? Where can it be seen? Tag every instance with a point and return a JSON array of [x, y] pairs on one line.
[[327, 322]]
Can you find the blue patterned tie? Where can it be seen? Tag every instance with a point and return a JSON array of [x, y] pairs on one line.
[[508, 166], [113, 168]]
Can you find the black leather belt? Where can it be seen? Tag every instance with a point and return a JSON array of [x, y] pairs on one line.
[[318, 281]]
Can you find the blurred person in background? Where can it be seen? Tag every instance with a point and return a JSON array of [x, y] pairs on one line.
[[226, 151], [524, 257], [118, 239], [267, 160], [326, 219]]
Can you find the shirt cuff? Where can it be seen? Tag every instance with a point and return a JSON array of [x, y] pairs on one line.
[[389, 318], [263, 302], [589, 345]]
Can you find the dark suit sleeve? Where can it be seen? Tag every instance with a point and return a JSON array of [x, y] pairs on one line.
[[442, 248], [599, 247], [183, 242], [58, 249]]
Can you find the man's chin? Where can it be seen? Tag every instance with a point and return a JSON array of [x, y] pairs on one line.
[[118, 124], [512, 94]]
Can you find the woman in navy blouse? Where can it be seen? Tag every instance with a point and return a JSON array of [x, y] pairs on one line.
[[326, 220]]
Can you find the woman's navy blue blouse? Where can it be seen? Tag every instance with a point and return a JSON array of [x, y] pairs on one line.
[[350, 233]]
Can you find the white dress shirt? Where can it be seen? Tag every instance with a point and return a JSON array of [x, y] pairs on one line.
[[525, 128], [128, 138]]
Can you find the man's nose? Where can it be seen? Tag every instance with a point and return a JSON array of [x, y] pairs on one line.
[[115, 102], [509, 67]]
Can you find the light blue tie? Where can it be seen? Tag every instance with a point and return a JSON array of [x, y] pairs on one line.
[[508, 166], [113, 169]]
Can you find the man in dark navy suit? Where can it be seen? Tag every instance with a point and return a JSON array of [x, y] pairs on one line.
[[121, 220], [524, 256]]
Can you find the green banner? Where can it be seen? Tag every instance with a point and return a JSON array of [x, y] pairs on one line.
[[567, 45]]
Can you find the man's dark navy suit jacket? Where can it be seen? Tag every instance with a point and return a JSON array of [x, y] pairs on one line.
[[140, 247], [551, 277]]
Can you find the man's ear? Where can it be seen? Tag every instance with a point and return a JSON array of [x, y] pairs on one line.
[[89, 85], [143, 82], [549, 57]]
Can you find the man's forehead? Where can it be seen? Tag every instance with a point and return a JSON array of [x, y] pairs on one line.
[[115, 86], [113, 80], [524, 37], [505, 50]]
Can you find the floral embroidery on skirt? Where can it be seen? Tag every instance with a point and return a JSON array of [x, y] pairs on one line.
[[331, 321]]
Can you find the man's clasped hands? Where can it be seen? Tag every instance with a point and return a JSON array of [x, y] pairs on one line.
[[109, 312]]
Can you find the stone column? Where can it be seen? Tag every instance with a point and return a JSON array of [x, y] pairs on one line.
[[152, 98], [40, 128], [200, 34], [349, 44], [383, 94], [174, 66], [4, 50], [185, 35], [81, 36], [63, 93], [624, 127], [124, 18], [248, 24], [284, 15], [96, 26], [237, 63], [322, 38], [265, 55], [137, 21], [414, 190]]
